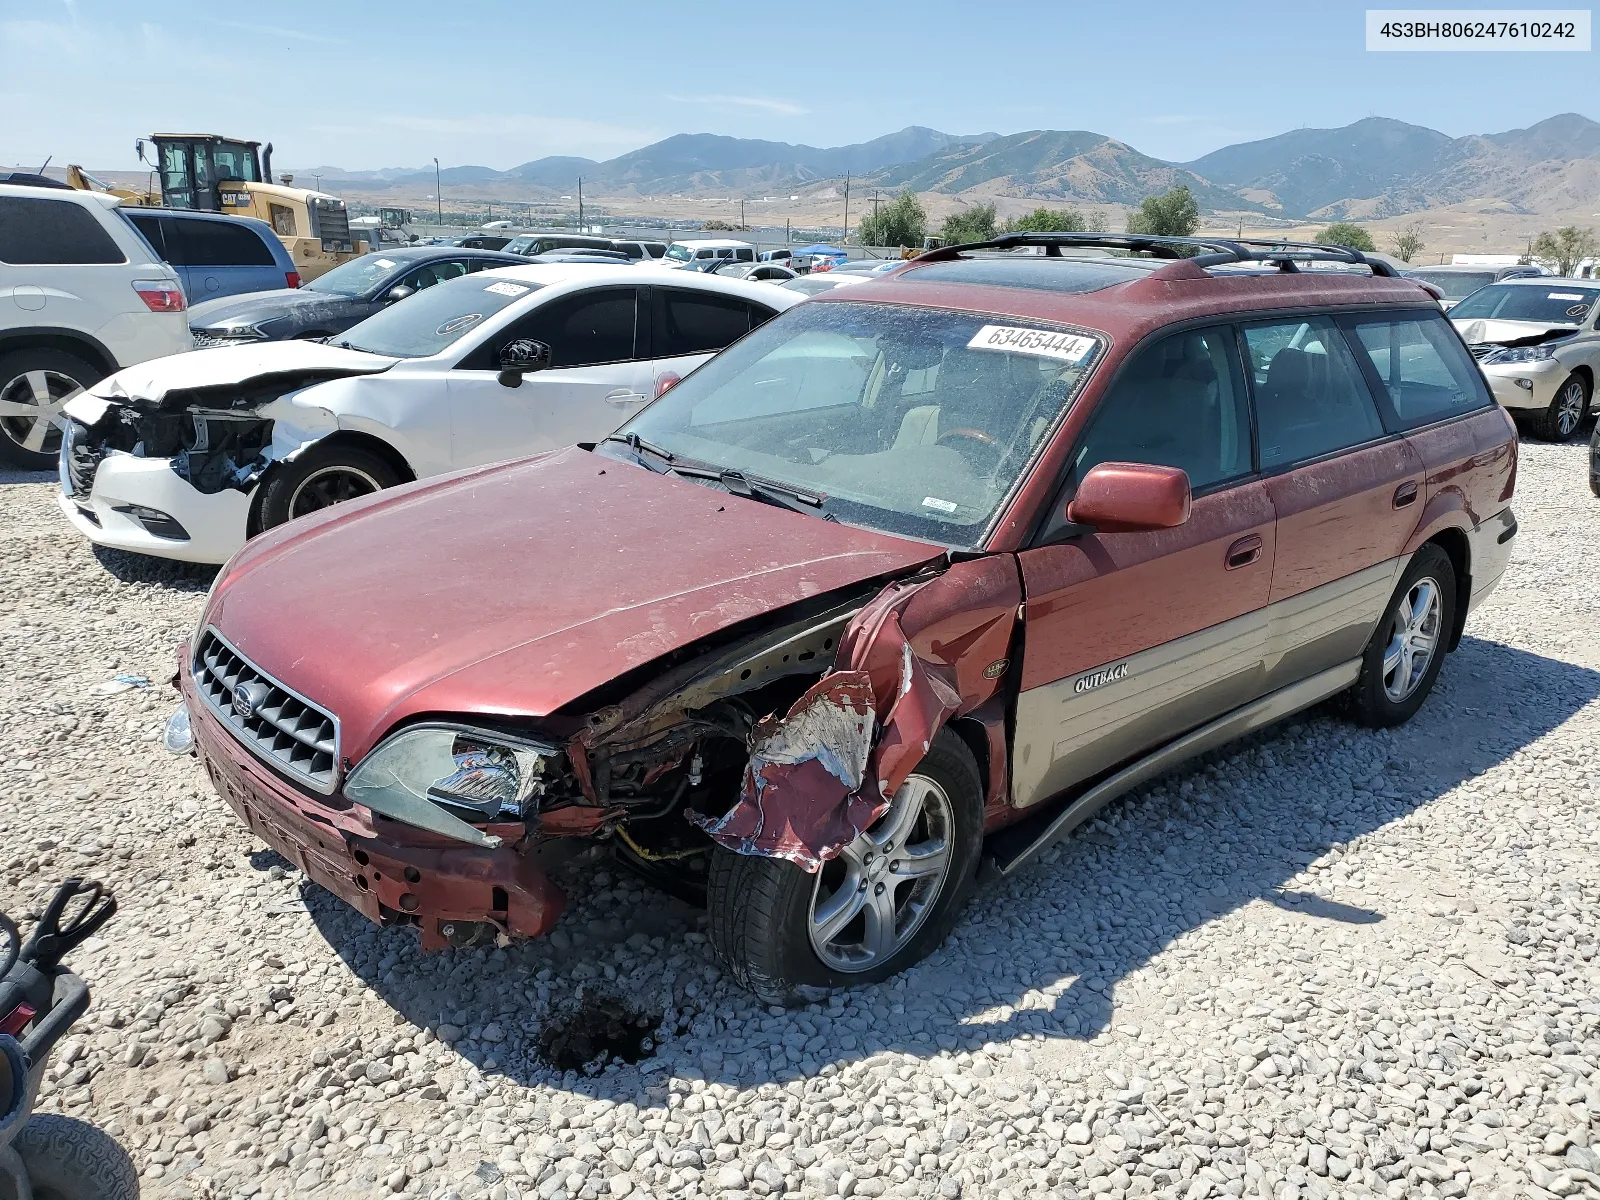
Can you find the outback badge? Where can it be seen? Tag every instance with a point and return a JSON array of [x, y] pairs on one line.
[[1094, 679]]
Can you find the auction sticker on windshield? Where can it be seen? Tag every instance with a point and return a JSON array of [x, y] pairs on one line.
[[1041, 343], [506, 289]]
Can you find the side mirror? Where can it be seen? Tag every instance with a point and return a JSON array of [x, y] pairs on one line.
[[520, 357], [1118, 497], [399, 292]]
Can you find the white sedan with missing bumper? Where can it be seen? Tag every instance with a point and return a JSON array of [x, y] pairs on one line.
[[186, 457]]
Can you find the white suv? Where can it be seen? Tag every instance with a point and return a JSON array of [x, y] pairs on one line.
[[81, 295]]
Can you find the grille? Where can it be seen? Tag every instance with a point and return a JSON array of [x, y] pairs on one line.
[[1482, 351], [81, 461], [208, 341], [284, 729], [333, 222]]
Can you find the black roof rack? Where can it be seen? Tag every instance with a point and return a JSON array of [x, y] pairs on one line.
[[1201, 251]]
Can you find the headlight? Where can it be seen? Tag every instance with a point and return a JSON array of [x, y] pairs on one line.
[[433, 775], [1520, 354]]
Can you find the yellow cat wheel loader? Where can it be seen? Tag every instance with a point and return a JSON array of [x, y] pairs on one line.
[[217, 174]]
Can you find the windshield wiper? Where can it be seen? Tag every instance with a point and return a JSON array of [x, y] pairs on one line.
[[777, 494], [640, 448]]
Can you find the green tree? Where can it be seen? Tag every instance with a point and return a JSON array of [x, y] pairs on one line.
[[1172, 214], [974, 224], [901, 222], [1348, 235], [715, 224], [1564, 249], [1096, 221], [1408, 242], [1046, 220]]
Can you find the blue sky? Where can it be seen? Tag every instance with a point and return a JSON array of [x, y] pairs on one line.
[[364, 85]]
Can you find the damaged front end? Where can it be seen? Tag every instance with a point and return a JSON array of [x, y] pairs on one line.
[[209, 449]]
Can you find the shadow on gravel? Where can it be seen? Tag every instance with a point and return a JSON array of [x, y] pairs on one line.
[[143, 568], [1039, 954], [12, 475]]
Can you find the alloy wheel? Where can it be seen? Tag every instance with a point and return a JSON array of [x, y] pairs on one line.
[[1570, 411], [1413, 639], [329, 486], [30, 409], [873, 898]]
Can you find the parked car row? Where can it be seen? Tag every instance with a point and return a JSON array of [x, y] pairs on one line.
[[879, 596]]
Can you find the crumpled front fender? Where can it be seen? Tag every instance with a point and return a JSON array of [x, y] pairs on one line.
[[919, 653]]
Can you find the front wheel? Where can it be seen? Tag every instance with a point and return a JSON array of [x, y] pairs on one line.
[[34, 387], [320, 478], [1594, 460], [885, 902], [71, 1160], [1566, 412], [1403, 658]]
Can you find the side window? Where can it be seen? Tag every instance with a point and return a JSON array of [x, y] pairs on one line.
[[745, 254], [282, 220], [1180, 403], [583, 330], [1421, 366], [437, 272], [37, 232], [700, 322], [1310, 397], [219, 244], [150, 226]]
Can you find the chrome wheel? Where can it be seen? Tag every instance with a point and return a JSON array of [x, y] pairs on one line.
[[30, 409], [871, 900], [1413, 639], [329, 486], [1569, 407]]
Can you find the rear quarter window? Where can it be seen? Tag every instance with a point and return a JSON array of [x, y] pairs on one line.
[[220, 244], [43, 232], [1420, 367]]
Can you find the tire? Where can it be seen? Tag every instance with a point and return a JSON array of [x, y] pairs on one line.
[[1392, 685], [71, 1160], [23, 442], [323, 476], [1566, 412], [1594, 460], [761, 909]]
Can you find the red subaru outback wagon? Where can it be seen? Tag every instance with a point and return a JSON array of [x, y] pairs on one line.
[[883, 599]]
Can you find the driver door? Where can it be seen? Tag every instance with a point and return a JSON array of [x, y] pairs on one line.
[[595, 380]]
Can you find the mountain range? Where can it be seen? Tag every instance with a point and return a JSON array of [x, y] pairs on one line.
[[1374, 167]]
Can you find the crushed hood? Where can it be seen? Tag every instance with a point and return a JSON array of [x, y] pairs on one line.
[[260, 306], [269, 367], [1511, 333], [515, 589]]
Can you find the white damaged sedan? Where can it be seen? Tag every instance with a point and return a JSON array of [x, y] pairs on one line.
[[187, 457]]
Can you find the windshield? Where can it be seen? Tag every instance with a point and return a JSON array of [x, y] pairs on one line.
[[435, 318], [908, 420], [678, 252], [1554, 303], [1455, 284], [358, 276]]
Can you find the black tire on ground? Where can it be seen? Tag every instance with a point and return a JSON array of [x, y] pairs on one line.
[[71, 1160], [1551, 423], [760, 908], [1594, 460], [58, 368], [1384, 697], [322, 476]]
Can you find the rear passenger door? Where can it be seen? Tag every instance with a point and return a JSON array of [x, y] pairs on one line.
[[222, 258], [1347, 493], [1134, 638], [689, 326]]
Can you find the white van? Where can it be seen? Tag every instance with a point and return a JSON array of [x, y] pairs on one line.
[[681, 254]]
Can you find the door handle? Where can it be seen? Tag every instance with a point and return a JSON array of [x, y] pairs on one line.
[[622, 396], [1244, 552], [1405, 494]]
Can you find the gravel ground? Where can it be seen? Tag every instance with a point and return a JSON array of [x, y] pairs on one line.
[[1327, 962]]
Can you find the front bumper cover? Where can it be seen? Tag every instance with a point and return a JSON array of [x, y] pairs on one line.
[[390, 873], [1546, 376]]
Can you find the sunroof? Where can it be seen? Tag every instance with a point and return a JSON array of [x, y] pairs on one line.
[[1036, 272]]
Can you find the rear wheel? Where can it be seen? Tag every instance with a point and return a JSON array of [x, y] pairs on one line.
[[1402, 661], [885, 902], [1566, 412], [34, 385], [1594, 460], [71, 1160], [320, 478]]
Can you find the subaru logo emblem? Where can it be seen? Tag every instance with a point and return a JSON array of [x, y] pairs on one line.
[[247, 698]]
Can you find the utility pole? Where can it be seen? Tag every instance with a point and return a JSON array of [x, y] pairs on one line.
[[846, 236], [786, 237], [438, 197], [580, 203], [741, 215]]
